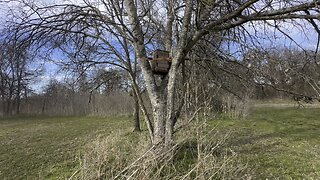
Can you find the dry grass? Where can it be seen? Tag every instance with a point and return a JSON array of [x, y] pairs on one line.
[[121, 156]]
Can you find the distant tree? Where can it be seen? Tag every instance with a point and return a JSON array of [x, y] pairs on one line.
[[15, 74], [87, 54], [116, 80], [291, 72]]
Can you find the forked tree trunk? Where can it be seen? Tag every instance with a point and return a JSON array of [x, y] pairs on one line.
[[162, 96]]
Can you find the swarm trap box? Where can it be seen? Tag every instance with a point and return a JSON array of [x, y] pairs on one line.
[[160, 62]]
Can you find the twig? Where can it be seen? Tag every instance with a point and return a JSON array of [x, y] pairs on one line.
[[126, 168], [189, 121], [76, 172]]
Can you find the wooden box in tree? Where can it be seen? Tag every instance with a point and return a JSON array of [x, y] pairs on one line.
[[160, 62]]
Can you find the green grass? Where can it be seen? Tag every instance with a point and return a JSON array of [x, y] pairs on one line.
[[49, 147], [277, 142], [274, 142]]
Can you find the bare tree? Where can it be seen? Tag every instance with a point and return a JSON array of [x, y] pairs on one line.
[[15, 75], [124, 29], [90, 53], [217, 16], [283, 72]]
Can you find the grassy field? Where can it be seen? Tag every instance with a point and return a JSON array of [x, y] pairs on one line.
[[274, 142], [282, 143], [49, 147]]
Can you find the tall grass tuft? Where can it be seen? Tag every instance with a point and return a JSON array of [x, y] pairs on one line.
[[199, 154]]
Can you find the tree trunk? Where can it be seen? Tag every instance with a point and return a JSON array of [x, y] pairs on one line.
[[136, 119], [159, 118], [18, 98], [18, 105]]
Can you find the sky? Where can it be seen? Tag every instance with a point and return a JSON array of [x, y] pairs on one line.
[[3, 11], [306, 38]]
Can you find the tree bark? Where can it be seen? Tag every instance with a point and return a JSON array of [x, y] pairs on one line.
[[159, 116], [169, 25]]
